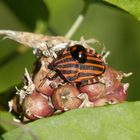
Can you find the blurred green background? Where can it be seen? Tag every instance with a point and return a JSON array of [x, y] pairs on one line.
[[118, 30]]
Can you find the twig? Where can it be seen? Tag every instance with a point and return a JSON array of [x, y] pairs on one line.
[[75, 26], [77, 22]]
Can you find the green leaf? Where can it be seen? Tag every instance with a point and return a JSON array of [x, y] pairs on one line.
[[114, 122], [29, 12], [62, 14], [12, 72], [12, 63], [6, 122], [131, 6]]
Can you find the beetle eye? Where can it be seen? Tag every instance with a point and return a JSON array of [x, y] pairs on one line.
[[78, 52]]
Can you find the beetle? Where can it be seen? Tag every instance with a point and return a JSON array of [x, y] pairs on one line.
[[79, 65]]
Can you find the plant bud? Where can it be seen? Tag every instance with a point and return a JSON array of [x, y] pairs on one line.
[[94, 91], [36, 105], [65, 98], [109, 90], [118, 95], [42, 84], [111, 79]]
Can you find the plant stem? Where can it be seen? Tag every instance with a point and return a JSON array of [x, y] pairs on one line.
[[77, 22], [75, 26]]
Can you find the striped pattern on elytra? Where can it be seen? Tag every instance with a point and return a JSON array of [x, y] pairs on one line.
[[79, 65]]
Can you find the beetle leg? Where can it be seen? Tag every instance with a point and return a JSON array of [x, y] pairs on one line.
[[43, 81], [97, 79], [101, 79], [56, 82], [51, 74], [48, 75]]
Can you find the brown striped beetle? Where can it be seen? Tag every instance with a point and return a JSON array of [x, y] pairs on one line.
[[78, 64]]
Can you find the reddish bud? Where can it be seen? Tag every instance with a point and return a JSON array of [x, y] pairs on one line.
[[118, 95], [111, 78], [65, 98], [41, 71], [36, 105], [94, 91], [109, 91], [42, 84]]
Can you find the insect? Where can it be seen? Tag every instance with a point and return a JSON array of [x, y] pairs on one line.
[[78, 64]]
